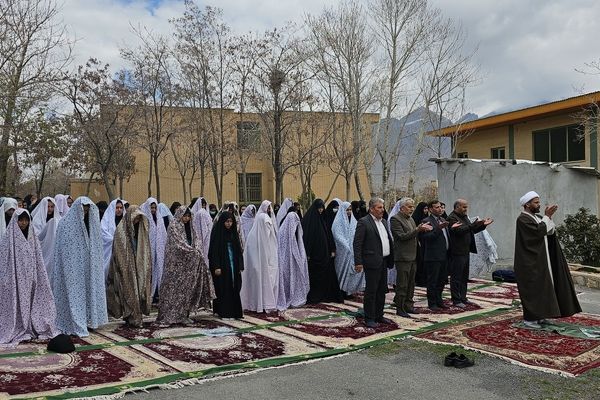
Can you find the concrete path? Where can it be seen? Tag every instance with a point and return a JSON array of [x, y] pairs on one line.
[[405, 369]]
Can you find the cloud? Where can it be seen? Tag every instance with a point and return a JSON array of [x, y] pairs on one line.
[[527, 50]]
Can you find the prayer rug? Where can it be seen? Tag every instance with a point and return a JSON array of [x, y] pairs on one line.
[[116, 359], [501, 336]]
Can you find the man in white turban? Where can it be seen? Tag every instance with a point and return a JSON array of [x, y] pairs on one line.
[[543, 278]]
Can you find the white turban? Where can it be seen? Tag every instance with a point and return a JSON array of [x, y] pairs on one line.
[[527, 197]]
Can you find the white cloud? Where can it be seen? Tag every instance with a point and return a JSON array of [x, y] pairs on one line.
[[528, 50]]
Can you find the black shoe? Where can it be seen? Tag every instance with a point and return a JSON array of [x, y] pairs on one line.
[[370, 323], [412, 311], [442, 305], [450, 359], [384, 320], [402, 313], [463, 362], [434, 308]]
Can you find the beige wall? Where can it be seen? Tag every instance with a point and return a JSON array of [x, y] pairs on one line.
[[479, 144]]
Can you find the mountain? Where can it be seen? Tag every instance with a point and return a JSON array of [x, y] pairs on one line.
[[408, 128]]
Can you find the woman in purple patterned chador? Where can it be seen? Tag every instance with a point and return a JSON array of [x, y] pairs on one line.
[[26, 303], [186, 283], [293, 267], [158, 240]]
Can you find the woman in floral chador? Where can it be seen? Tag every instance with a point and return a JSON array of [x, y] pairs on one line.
[[186, 282]]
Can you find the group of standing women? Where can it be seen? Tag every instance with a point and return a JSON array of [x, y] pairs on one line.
[[64, 268]]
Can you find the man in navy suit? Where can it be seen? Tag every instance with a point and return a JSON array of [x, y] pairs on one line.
[[435, 255], [374, 253]]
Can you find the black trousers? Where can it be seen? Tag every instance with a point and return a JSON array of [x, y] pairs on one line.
[[459, 276], [375, 290], [437, 273]]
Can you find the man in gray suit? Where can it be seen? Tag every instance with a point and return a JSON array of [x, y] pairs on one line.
[[374, 253], [405, 231]]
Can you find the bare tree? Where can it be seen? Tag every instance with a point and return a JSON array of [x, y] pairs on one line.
[[34, 48], [447, 73], [344, 45], [184, 159], [279, 95], [401, 27], [43, 144], [202, 46], [311, 140], [156, 96], [245, 52], [101, 124]]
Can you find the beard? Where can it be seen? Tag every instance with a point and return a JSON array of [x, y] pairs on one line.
[[534, 209]]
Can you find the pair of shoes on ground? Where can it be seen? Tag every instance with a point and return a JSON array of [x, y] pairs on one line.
[[458, 361]]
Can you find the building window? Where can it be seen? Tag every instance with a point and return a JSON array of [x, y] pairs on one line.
[[253, 188], [248, 135], [565, 143], [498, 153], [463, 155]]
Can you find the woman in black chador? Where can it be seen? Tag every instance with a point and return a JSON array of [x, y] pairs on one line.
[[320, 251], [226, 264]]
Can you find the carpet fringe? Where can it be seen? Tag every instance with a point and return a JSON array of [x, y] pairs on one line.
[[512, 361], [200, 381]]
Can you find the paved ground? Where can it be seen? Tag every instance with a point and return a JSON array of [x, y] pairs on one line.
[[403, 369]]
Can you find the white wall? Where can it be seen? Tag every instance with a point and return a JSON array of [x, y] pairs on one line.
[[493, 189]]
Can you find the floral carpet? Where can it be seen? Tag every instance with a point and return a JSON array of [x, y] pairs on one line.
[[503, 336], [116, 359]]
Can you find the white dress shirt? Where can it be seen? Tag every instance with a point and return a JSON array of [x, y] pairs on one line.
[[383, 235]]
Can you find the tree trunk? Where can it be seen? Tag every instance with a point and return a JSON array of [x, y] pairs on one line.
[[202, 179], [358, 186], [108, 186], [184, 186], [277, 159], [89, 184], [157, 177], [121, 187], [41, 183], [150, 171], [348, 185]]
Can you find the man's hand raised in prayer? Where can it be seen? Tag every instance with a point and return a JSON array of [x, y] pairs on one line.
[[456, 225], [443, 225], [487, 221], [550, 210], [358, 268], [425, 227]]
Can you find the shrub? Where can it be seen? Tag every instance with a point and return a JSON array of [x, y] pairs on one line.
[[580, 237]]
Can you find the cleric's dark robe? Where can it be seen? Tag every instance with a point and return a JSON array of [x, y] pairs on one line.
[[545, 292]]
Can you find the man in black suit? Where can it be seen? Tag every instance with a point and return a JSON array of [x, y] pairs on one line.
[[435, 255], [374, 253], [462, 243]]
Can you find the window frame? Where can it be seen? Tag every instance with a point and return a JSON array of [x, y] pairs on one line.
[[252, 189], [565, 136], [497, 149]]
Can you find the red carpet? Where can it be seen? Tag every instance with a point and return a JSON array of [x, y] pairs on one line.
[[543, 350]]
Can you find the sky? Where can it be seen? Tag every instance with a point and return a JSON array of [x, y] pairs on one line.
[[528, 50]]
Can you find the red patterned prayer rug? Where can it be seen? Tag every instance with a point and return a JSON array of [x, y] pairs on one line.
[[55, 373], [548, 351]]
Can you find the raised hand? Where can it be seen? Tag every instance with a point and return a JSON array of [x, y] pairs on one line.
[[550, 210]]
